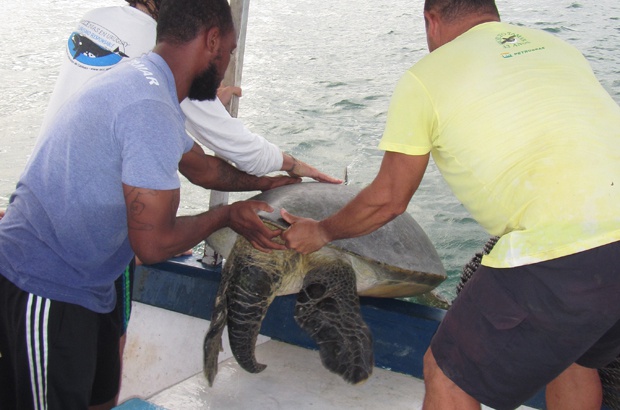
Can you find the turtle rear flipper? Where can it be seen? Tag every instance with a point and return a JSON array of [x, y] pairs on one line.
[[328, 310]]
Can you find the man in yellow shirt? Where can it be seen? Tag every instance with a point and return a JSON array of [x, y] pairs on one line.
[[529, 141]]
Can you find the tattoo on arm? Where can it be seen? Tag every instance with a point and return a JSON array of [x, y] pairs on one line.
[[136, 208]]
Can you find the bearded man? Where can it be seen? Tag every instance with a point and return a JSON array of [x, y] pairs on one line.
[[101, 185]]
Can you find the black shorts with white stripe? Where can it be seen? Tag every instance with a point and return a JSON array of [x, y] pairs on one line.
[[55, 355]]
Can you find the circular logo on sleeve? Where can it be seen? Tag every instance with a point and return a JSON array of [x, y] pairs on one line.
[[94, 46]]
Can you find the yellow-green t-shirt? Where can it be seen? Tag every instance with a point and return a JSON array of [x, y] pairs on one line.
[[523, 133]]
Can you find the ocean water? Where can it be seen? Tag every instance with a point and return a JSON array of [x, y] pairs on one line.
[[317, 80]]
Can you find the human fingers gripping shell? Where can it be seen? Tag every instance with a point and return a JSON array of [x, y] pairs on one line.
[[302, 236], [286, 235], [246, 221], [261, 206]]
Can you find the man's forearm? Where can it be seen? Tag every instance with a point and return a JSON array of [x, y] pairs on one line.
[[384, 199], [226, 177], [366, 213], [215, 173], [155, 233], [191, 230]]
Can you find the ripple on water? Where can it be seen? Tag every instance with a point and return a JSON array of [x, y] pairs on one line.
[[349, 105]]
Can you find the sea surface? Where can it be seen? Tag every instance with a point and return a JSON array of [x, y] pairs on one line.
[[317, 79]]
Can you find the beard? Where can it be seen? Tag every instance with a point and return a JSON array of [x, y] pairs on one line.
[[204, 87]]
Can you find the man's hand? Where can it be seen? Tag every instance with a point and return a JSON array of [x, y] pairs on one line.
[[305, 235], [297, 168], [244, 220], [226, 93]]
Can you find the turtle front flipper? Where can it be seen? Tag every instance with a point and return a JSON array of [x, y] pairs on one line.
[[213, 340], [257, 280], [328, 310]]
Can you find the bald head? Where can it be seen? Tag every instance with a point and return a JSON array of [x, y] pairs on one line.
[[451, 10], [447, 19]]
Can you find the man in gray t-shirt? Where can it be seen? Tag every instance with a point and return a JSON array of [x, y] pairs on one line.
[[102, 184]]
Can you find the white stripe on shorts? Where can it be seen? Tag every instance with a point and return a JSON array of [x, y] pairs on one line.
[[36, 340]]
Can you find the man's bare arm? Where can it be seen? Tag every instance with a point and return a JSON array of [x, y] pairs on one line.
[[211, 172], [384, 199], [156, 233]]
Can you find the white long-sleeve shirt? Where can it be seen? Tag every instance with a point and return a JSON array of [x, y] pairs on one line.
[[109, 35]]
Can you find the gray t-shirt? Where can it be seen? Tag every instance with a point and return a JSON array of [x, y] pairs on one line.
[[64, 236]]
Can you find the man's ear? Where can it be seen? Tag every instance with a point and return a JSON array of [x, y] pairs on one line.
[[432, 21], [213, 38]]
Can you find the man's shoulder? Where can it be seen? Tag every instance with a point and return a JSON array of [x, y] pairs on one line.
[[146, 73], [103, 13], [111, 10], [127, 84]]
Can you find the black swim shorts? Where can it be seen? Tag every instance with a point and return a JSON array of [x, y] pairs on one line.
[[55, 354], [511, 331]]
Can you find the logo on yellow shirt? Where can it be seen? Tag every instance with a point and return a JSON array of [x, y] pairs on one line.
[[511, 40]]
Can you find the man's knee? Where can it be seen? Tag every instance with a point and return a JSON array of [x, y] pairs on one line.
[[441, 392], [431, 369]]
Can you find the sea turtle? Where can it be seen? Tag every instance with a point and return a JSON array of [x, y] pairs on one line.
[[397, 260]]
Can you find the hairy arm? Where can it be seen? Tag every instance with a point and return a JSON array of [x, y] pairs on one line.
[[156, 233], [377, 204], [211, 172]]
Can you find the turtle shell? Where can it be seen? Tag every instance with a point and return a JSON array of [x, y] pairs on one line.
[[400, 245]]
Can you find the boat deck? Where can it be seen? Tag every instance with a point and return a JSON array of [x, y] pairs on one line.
[[162, 368], [294, 379]]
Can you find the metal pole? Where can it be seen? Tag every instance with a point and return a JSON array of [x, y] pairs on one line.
[[239, 10]]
